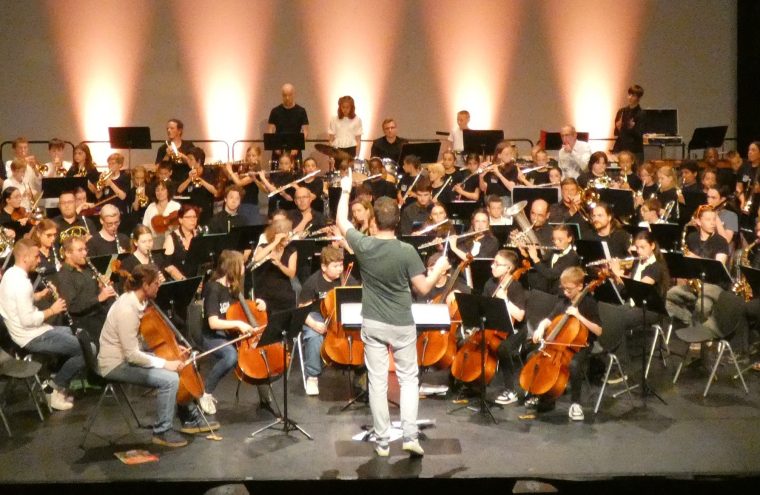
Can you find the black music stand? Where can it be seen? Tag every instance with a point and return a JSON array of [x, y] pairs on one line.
[[667, 235], [480, 271], [52, 187], [462, 210], [708, 137], [177, 294], [707, 270], [427, 152], [130, 138], [483, 312], [590, 250], [552, 141], [284, 141], [284, 326], [501, 232], [481, 142], [206, 248], [527, 193], [417, 241], [246, 236], [621, 201], [692, 201], [646, 297]]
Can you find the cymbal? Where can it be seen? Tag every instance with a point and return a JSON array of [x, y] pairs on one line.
[[326, 149]]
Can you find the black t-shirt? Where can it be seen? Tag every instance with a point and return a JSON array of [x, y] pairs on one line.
[[629, 139], [403, 186], [656, 271], [201, 197], [277, 202], [469, 183], [588, 307], [459, 286], [381, 187], [489, 246], [316, 187], [411, 215], [223, 222], [709, 248], [545, 276], [216, 301], [666, 197], [618, 242], [122, 182], [273, 286], [97, 246], [178, 258], [383, 149], [494, 184], [444, 194], [288, 120], [515, 292], [318, 220], [315, 288]]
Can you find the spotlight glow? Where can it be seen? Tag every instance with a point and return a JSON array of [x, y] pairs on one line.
[[350, 44], [99, 63], [473, 45], [594, 52], [224, 44]]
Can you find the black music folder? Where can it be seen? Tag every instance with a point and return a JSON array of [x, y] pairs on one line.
[[481, 142], [52, 187], [284, 141], [620, 200], [526, 193], [427, 151]]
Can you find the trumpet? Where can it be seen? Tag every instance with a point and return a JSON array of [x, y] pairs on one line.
[[40, 168], [142, 198], [666, 212], [172, 152], [102, 180], [60, 170]]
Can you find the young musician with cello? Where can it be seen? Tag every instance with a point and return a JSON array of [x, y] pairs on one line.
[[219, 294], [586, 312], [121, 359], [315, 288]]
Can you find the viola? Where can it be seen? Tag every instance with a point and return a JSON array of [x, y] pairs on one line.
[[547, 371], [160, 336], [162, 223], [256, 363], [340, 346]]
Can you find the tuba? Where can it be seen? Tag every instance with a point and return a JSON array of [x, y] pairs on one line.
[[517, 211]]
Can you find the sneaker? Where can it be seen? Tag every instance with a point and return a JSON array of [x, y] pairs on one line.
[[382, 449], [506, 397], [199, 426], [414, 448], [207, 403], [169, 438], [57, 400], [532, 402], [576, 412], [312, 385]]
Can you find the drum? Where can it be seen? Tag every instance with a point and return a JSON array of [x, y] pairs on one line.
[[333, 179], [360, 166], [391, 166]]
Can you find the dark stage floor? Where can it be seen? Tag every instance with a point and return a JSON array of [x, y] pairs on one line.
[[626, 444]]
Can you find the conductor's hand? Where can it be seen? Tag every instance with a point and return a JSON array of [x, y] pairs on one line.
[[346, 182]]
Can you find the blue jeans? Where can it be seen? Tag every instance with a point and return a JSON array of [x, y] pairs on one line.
[[167, 383], [226, 359], [312, 347], [59, 341]]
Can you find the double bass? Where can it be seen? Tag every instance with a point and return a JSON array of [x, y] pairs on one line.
[[340, 346], [547, 371], [256, 363], [468, 364]]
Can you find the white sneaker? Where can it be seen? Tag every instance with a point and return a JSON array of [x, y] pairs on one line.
[[312, 385], [207, 403], [382, 450], [57, 400], [413, 447], [576, 412], [506, 397]]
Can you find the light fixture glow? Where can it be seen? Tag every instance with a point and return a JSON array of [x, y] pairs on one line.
[[593, 55]]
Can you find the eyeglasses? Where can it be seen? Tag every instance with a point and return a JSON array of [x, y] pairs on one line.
[[500, 264]]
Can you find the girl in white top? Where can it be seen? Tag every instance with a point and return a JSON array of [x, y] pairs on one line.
[[163, 204], [345, 130]]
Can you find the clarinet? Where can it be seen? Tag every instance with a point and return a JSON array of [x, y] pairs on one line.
[[118, 247], [54, 293]]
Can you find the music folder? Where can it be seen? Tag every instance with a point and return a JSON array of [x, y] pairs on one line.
[[527, 193], [620, 200], [427, 151], [481, 142], [284, 141], [52, 187], [131, 138]]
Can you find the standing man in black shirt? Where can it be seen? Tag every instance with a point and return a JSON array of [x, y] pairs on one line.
[[629, 125], [388, 146], [288, 118], [175, 150]]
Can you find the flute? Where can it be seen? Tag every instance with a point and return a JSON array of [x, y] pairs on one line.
[[442, 188], [291, 184], [436, 242]]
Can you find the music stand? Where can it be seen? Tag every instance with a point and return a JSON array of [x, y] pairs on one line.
[[552, 141], [692, 201], [590, 250], [177, 294], [130, 138], [646, 297], [708, 137], [284, 326], [707, 270], [205, 249], [667, 235], [526, 193], [430, 318], [52, 187], [284, 141], [462, 210], [483, 312], [481, 142], [427, 151], [480, 271], [621, 201], [246, 236], [501, 232]]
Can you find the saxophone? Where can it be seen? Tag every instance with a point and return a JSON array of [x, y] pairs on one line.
[[741, 287]]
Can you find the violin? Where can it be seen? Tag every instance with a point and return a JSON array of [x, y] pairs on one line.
[[547, 371], [256, 363], [162, 223], [340, 346]]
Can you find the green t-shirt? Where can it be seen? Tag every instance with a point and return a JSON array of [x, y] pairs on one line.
[[387, 266]]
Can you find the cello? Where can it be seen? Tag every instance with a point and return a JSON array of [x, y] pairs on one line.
[[547, 371], [256, 364], [161, 336], [439, 348], [340, 346], [467, 366]]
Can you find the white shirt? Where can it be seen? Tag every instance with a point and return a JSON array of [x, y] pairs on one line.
[[574, 162], [24, 321], [642, 266], [345, 131], [499, 221], [152, 210], [557, 256], [456, 138]]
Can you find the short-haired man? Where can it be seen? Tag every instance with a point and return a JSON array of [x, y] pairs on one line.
[[419, 211], [574, 155], [174, 151], [229, 217], [108, 240], [389, 145]]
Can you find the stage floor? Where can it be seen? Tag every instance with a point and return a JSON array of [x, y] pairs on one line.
[[689, 438]]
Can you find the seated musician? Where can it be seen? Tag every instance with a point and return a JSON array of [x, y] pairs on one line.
[[10, 204], [607, 229], [650, 212], [466, 183], [285, 175], [495, 209], [727, 223], [555, 176], [362, 215], [710, 179], [219, 294], [229, 217], [596, 174], [587, 313], [648, 179], [162, 204], [108, 240], [628, 178], [683, 305], [141, 250], [249, 180], [83, 166], [441, 189], [417, 212], [315, 184], [199, 184], [382, 185], [750, 256], [546, 271], [122, 359], [440, 284], [117, 184], [25, 323], [539, 218], [449, 162], [273, 278], [87, 297], [667, 183], [689, 172], [502, 175], [501, 285], [177, 244], [44, 235], [17, 180], [315, 288], [70, 218], [137, 199], [481, 245], [569, 209], [305, 218], [412, 168], [389, 145]]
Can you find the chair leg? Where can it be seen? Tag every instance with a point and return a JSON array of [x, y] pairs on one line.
[[604, 384], [622, 375], [129, 404], [33, 396], [739, 371], [721, 350], [94, 414], [38, 385]]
